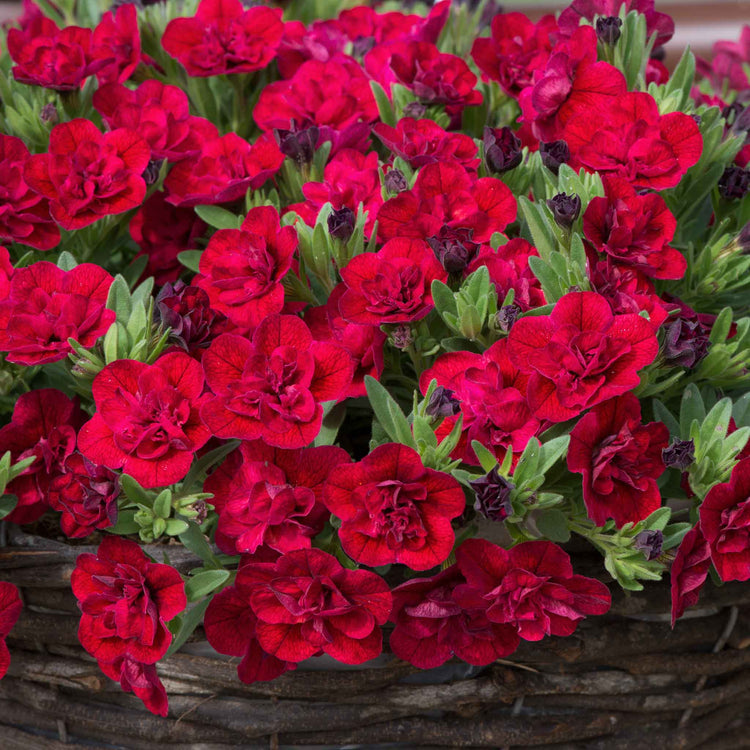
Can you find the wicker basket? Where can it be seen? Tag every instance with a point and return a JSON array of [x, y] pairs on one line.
[[621, 681]]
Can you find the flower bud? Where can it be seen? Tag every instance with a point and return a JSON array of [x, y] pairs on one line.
[[493, 496], [362, 45], [502, 149], [649, 542], [608, 30], [554, 154], [679, 454], [298, 145], [402, 336], [49, 114], [188, 313], [565, 209], [395, 182], [415, 110], [734, 183], [744, 239], [341, 223], [506, 316], [454, 248], [151, 173], [443, 403]]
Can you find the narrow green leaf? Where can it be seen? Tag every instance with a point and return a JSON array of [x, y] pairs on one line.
[[218, 217], [186, 625], [190, 259], [487, 459], [204, 583]]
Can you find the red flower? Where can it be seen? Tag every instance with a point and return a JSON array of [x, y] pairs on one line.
[[47, 306], [580, 355], [10, 609], [634, 230], [620, 460], [572, 82], [272, 387], [393, 509], [163, 231], [393, 26], [531, 587], [689, 571], [230, 626], [141, 679], [431, 627], [333, 95], [224, 37], [159, 113], [58, 59], [24, 214], [241, 269], [271, 497], [509, 269], [223, 171], [350, 178], [6, 273], [146, 419], [117, 41], [445, 195], [516, 49], [492, 394], [421, 142], [725, 523], [43, 425], [86, 494], [307, 602], [126, 601], [88, 174], [363, 342], [632, 140], [434, 76], [661, 23], [391, 285]]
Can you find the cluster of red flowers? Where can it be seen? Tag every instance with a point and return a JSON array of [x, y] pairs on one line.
[[369, 230]]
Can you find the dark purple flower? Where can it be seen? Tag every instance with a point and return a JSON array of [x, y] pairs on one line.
[[608, 30], [443, 403], [686, 343], [395, 182], [502, 149], [734, 183], [454, 248], [341, 223], [507, 316], [415, 110], [679, 455], [151, 173], [493, 496], [565, 209], [650, 543], [298, 145], [554, 154], [49, 114], [402, 336]]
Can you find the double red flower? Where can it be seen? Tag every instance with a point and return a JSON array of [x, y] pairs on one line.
[[580, 355], [10, 609], [393, 509], [272, 387]]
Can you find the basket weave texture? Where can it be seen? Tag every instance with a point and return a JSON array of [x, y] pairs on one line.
[[625, 680]]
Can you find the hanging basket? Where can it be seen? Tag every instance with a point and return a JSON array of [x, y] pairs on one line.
[[625, 680]]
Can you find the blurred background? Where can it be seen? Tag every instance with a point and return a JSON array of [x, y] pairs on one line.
[[699, 23]]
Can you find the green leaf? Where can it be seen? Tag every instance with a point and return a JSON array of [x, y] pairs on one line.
[[66, 261], [190, 259], [443, 298], [186, 624], [385, 108], [126, 523], [662, 414], [658, 520], [388, 413], [204, 583], [195, 540], [333, 417], [134, 492], [218, 217], [118, 299], [7, 504], [175, 526], [163, 504], [553, 525], [552, 450], [691, 408], [487, 460]]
